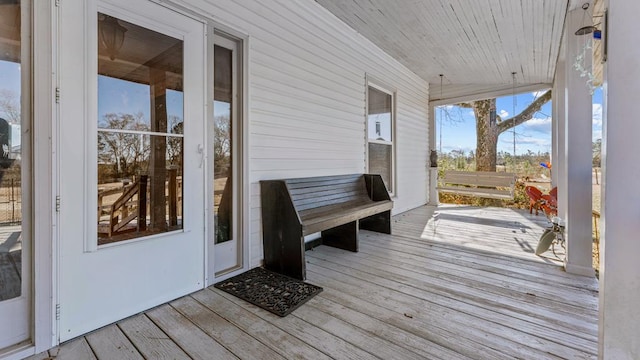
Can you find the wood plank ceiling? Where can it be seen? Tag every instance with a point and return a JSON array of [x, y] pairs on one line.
[[475, 44]]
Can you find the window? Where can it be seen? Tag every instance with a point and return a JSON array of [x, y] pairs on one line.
[[381, 134], [140, 131]]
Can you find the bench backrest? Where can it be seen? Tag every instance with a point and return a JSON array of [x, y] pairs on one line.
[[479, 178], [315, 192]]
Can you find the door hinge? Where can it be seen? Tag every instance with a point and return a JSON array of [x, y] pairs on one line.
[[58, 203], [57, 95], [57, 3], [57, 311]]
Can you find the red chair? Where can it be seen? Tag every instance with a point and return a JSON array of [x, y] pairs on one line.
[[549, 203], [535, 198]]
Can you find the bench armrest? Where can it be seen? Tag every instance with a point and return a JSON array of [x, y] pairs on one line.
[[376, 189]]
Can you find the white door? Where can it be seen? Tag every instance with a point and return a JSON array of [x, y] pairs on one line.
[[15, 237], [226, 162], [131, 155]]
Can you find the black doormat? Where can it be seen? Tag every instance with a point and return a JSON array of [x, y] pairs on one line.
[[273, 292]]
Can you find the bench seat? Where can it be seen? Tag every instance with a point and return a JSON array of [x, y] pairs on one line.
[[485, 184], [335, 206], [335, 215]]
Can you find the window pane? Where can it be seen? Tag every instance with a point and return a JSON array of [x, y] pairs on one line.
[[379, 115], [140, 100], [223, 145], [10, 151], [380, 156]]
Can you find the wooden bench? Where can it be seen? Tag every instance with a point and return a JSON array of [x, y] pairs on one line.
[[336, 206], [494, 185]]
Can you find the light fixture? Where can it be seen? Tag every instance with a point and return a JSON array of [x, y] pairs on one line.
[[584, 49], [587, 29], [111, 35]]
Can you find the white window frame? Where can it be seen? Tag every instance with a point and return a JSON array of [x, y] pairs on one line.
[[383, 87]]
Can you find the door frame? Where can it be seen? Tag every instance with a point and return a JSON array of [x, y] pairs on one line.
[[43, 179], [244, 194], [45, 174]]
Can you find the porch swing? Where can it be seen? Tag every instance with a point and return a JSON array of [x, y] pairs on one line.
[[482, 184]]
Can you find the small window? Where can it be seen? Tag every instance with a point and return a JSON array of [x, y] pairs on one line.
[[381, 134]]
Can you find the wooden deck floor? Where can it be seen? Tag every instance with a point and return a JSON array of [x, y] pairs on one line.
[[463, 284]]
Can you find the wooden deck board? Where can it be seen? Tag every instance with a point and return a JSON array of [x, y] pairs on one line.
[[237, 341], [263, 331], [506, 301], [77, 349], [483, 312], [333, 346], [110, 343], [150, 340], [193, 340], [463, 284]]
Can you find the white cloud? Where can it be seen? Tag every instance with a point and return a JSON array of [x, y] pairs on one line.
[[503, 114], [541, 142], [472, 113], [534, 141], [449, 148], [542, 125], [597, 114]]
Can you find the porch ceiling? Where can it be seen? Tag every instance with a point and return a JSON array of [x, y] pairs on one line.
[[475, 44]]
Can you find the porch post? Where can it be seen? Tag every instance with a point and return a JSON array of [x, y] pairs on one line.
[[561, 127], [620, 245], [158, 157], [558, 163], [433, 172], [578, 155]]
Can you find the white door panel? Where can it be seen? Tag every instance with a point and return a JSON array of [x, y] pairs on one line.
[[107, 148]]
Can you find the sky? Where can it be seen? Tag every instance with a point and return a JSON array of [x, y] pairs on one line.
[[459, 132], [126, 97]]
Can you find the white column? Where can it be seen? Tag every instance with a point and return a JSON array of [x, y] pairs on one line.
[[619, 325], [578, 154], [560, 163], [554, 135], [433, 172]]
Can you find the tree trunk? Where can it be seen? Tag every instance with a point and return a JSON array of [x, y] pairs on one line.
[[486, 133]]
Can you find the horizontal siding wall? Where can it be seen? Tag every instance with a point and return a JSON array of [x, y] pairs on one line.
[[307, 99]]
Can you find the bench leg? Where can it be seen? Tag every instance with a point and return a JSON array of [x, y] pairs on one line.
[[342, 237], [379, 222]]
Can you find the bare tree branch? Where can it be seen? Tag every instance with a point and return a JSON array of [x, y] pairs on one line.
[[526, 114]]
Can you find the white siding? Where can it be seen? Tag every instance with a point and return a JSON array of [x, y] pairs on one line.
[[307, 99]]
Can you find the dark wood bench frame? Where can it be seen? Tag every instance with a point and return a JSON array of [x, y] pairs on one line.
[[336, 206]]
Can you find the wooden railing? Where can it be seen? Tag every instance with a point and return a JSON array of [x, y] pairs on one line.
[[126, 209]]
